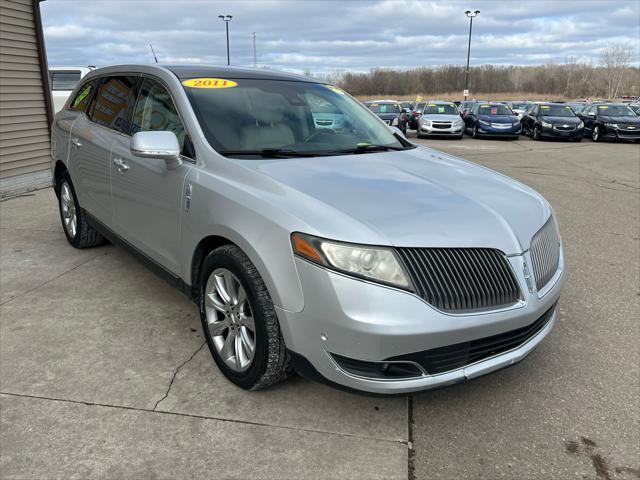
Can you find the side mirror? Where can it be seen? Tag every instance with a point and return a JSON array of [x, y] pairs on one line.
[[397, 131], [161, 145]]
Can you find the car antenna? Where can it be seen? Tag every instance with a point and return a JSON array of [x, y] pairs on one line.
[[154, 53]]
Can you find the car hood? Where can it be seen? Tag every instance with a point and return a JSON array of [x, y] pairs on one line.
[[414, 198], [387, 116], [499, 118], [566, 120], [625, 120], [438, 117]]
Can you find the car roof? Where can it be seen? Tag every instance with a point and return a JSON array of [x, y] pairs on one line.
[[195, 71], [440, 102], [202, 71], [381, 101]]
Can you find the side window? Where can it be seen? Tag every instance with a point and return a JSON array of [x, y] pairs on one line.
[[114, 103], [156, 111], [535, 110], [82, 100]]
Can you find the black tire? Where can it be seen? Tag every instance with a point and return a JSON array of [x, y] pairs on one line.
[[577, 139], [459, 137], [474, 131], [536, 133], [595, 134], [85, 235], [270, 364], [418, 134]]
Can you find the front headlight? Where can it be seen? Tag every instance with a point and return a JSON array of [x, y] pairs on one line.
[[458, 123], [378, 264], [515, 124], [482, 122], [395, 121], [426, 123], [611, 125], [545, 124], [580, 125]]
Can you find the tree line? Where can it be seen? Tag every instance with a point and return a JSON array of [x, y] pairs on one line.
[[611, 78]]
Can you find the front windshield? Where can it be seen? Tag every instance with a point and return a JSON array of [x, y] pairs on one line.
[[616, 111], [384, 107], [442, 109], [520, 106], [495, 110], [557, 111], [253, 115]]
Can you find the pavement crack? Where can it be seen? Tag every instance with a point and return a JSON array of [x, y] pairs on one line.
[[411, 468], [175, 373]]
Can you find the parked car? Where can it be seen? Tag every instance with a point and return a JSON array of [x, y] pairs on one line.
[[577, 106], [353, 257], [492, 120], [440, 118], [390, 112], [519, 108], [552, 120], [414, 116], [63, 80], [407, 106], [615, 121]]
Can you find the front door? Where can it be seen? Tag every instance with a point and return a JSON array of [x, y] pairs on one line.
[[147, 193]]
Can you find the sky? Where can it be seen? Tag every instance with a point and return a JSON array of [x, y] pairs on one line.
[[326, 36]]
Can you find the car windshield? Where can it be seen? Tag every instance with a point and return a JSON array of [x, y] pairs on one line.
[[557, 111], [384, 107], [245, 117], [495, 110], [61, 80], [418, 107], [616, 111], [520, 106], [443, 109]]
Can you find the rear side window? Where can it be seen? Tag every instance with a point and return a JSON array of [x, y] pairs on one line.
[[156, 111], [114, 103], [82, 100], [64, 80]]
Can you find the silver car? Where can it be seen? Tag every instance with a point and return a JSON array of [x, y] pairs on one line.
[[351, 256], [440, 118]]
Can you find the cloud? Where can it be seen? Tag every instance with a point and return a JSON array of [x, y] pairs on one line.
[[330, 35]]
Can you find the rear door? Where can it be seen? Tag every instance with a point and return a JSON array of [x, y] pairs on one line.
[[147, 193], [91, 139]]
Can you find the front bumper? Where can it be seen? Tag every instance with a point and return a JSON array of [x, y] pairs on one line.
[[621, 133], [553, 132], [431, 130], [372, 323], [490, 131]]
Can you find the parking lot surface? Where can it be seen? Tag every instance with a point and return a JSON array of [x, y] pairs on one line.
[[104, 372]]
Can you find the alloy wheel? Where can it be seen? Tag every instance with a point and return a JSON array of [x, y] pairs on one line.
[[536, 133], [230, 319], [596, 134], [68, 207]]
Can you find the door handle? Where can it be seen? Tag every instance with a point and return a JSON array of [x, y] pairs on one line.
[[120, 164], [76, 142]]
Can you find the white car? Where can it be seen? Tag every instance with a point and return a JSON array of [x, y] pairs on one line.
[[63, 80]]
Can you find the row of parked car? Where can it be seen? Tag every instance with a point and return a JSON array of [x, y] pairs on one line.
[[478, 118]]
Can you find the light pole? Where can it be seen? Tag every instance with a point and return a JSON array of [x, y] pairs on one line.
[[471, 15], [226, 19]]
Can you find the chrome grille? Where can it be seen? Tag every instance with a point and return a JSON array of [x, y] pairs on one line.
[[461, 279], [545, 253]]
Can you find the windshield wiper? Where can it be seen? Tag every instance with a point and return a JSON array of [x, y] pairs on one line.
[[269, 153], [368, 147]]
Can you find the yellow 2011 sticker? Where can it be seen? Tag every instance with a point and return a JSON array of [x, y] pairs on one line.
[[209, 83]]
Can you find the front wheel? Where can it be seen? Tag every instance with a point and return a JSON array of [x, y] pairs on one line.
[[536, 133], [595, 135], [474, 132], [239, 321], [74, 221]]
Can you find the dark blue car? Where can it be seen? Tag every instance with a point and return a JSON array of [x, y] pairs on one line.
[[492, 120]]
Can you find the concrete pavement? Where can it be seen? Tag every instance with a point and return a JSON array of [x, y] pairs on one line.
[[103, 371]]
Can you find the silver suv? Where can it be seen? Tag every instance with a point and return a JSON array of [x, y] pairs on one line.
[[343, 252]]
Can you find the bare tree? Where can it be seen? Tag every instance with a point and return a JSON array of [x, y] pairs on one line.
[[615, 58]]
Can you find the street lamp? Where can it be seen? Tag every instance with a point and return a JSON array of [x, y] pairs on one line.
[[471, 15], [226, 19]]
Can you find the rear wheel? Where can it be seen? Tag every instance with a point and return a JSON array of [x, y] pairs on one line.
[[474, 131], [74, 220], [240, 322]]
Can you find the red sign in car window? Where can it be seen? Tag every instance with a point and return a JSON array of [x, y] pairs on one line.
[[494, 111]]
